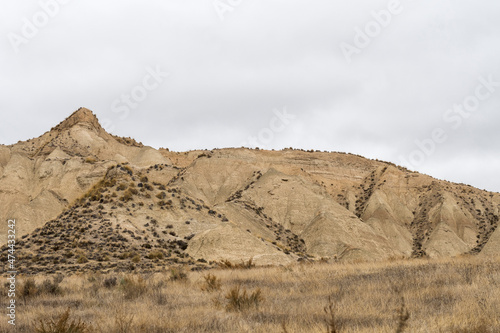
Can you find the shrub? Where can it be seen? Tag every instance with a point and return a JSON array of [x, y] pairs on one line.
[[331, 321], [240, 300], [62, 325], [247, 265], [109, 182], [52, 286], [155, 255], [178, 274], [82, 259], [128, 169], [136, 258], [110, 282], [132, 288], [126, 255], [161, 195], [212, 283], [128, 195], [123, 322], [144, 179], [122, 187], [29, 289], [157, 293], [226, 264], [403, 317]]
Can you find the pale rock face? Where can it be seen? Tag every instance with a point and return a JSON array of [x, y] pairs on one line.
[[345, 237], [445, 243], [228, 242], [236, 204], [492, 248]]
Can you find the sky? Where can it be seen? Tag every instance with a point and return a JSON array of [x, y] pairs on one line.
[[416, 83]]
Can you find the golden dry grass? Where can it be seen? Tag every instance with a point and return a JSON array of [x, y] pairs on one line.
[[448, 295]]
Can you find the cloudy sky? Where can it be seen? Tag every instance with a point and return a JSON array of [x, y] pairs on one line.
[[416, 83]]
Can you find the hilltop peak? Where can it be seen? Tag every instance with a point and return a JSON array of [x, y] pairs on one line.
[[82, 115]]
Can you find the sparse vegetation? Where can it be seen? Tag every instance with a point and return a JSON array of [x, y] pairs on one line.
[[52, 286], [364, 297], [240, 300], [122, 187], [90, 160], [178, 274], [132, 287], [212, 283], [331, 322], [226, 264], [62, 325], [82, 259], [403, 317], [156, 254], [110, 282]]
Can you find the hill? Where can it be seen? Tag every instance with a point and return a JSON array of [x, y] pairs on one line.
[[84, 199]]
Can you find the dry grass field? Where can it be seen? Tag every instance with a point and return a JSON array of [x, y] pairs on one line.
[[448, 295]]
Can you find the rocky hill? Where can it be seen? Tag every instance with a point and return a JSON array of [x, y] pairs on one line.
[[85, 199]]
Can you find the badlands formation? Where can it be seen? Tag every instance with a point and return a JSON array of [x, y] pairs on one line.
[[84, 199]]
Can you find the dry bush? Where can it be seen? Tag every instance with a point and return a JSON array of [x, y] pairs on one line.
[[110, 282], [28, 289], [132, 287], [240, 300], [82, 259], [403, 317], [128, 195], [123, 322], [62, 325], [226, 264], [128, 169], [125, 255], [331, 323], [122, 187], [178, 274], [52, 287], [157, 293], [155, 254], [161, 195], [212, 283]]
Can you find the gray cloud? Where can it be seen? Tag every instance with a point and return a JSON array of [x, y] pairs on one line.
[[226, 77]]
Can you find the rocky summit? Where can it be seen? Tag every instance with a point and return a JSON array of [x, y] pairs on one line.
[[84, 199]]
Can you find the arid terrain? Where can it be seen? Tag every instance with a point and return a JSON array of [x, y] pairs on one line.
[[241, 240], [417, 295], [77, 191]]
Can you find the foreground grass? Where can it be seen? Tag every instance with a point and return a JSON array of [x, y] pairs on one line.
[[452, 295]]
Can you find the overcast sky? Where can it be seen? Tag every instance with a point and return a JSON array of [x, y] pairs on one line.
[[416, 83]]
